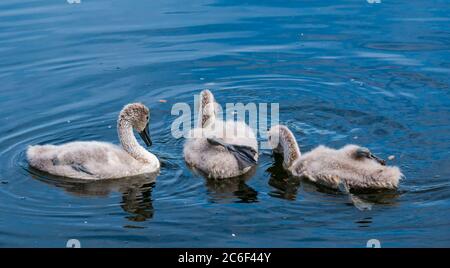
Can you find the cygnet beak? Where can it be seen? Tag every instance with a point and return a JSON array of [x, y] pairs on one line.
[[379, 160], [145, 135]]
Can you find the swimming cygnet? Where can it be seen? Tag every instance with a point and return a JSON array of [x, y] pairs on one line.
[[220, 149], [353, 166], [94, 160]]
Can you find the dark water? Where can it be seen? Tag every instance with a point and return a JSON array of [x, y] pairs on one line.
[[347, 72]]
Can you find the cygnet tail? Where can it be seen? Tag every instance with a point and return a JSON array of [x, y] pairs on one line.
[[245, 155], [207, 109]]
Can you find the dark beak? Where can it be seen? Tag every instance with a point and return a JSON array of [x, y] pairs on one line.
[[379, 160], [146, 136]]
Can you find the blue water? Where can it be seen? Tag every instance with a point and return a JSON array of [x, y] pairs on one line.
[[342, 72]]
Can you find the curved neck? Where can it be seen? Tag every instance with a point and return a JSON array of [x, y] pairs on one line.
[[289, 147], [207, 112], [129, 142]]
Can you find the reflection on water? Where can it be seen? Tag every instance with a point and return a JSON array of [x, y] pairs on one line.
[[221, 190], [138, 202], [286, 186], [136, 191], [365, 222], [224, 190]]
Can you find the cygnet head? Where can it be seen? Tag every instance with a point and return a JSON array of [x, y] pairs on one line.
[[137, 115], [360, 153], [274, 138], [207, 108], [280, 136], [283, 141]]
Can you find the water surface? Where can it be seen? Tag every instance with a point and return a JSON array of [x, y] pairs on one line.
[[347, 72]]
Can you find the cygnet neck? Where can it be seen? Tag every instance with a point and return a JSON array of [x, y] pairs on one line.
[[129, 142]]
